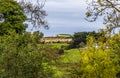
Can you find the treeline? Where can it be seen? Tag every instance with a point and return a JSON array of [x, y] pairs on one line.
[[80, 39]]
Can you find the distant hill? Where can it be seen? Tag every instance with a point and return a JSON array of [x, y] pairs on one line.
[[63, 35]]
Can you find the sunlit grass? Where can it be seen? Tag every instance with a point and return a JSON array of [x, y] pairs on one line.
[[54, 45], [71, 56]]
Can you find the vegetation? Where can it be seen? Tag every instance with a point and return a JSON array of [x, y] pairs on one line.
[[21, 59], [12, 17], [64, 35], [19, 56], [79, 39], [100, 62], [22, 56], [108, 9]]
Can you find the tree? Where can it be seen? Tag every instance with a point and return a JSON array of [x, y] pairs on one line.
[[34, 12], [20, 59], [13, 14], [109, 9], [36, 36], [79, 38], [100, 62]]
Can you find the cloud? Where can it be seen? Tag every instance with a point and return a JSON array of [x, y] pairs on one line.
[[66, 5], [67, 16]]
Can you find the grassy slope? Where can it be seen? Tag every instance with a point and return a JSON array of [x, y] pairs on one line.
[[67, 60], [71, 56]]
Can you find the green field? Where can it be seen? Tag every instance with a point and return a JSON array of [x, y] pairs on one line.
[[66, 60], [54, 45], [71, 56]]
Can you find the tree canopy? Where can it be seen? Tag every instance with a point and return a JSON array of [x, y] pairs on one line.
[[13, 15]]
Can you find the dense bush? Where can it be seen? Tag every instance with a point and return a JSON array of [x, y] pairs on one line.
[[99, 62], [61, 51], [20, 59], [80, 39]]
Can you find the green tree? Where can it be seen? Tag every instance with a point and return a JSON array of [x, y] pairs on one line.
[[36, 36], [98, 62], [20, 59], [80, 38], [11, 16]]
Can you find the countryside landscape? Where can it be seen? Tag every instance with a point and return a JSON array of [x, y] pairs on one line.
[[27, 52]]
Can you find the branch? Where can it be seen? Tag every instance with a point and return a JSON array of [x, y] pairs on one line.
[[113, 5]]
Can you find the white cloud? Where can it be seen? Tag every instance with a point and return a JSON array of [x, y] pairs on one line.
[[67, 16], [65, 5]]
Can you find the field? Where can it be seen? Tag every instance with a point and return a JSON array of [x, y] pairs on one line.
[[53, 45], [66, 61]]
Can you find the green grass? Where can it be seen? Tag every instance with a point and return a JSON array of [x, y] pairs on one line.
[[66, 61], [54, 45], [71, 56]]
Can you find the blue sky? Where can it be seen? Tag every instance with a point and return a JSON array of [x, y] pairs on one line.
[[68, 16]]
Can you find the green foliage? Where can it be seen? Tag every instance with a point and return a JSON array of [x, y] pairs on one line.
[[79, 39], [54, 45], [36, 36], [99, 62], [20, 59], [61, 51], [12, 17]]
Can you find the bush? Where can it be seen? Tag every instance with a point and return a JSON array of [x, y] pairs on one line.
[[61, 51], [100, 62], [20, 59]]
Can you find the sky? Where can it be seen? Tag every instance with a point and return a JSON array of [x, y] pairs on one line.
[[68, 17]]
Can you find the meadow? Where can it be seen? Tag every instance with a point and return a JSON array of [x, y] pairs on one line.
[[67, 61]]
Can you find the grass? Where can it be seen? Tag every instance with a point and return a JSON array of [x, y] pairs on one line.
[[71, 56], [66, 61], [54, 45]]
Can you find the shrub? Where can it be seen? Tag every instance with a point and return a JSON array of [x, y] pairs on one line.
[[20, 59], [100, 62]]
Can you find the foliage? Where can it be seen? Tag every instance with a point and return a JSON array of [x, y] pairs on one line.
[[20, 59], [79, 39], [11, 17], [99, 62], [108, 9], [36, 36], [54, 45], [61, 51]]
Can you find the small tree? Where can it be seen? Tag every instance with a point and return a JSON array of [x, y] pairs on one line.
[[36, 36]]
